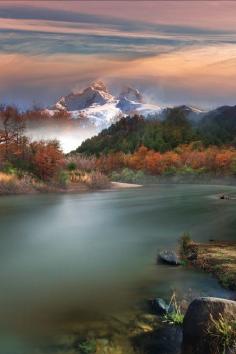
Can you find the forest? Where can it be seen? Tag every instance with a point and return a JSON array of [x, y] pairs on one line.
[[173, 146], [163, 135], [132, 148]]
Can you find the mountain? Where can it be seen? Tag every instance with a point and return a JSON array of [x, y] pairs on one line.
[[96, 106]]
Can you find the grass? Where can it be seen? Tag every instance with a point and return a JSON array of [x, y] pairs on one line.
[[218, 258], [87, 347], [175, 317], [224, 333]]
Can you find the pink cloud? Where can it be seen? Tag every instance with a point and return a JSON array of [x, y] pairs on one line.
[[202, 14]]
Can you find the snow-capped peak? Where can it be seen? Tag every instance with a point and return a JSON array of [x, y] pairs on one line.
[[95, 94], [100, 108]]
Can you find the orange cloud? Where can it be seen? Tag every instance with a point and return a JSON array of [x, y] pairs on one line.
[[204, 71]]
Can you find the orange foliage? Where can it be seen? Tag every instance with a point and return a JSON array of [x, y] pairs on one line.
[[47, 158], [137, 160], [212, 159]]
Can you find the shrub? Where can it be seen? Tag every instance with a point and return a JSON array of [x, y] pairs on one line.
[[63, 178], [139, 177], [71, 166], [115, 176], [129, 176], [9, 169]]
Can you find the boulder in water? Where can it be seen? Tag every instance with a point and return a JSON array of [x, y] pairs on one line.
[[169, 257], [158, 306], [199, 332]]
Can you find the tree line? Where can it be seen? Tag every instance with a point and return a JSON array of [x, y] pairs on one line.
[[176, 129]]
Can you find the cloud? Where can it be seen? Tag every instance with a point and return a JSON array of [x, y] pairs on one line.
[[46, 51], [197, 75], [200, 14]]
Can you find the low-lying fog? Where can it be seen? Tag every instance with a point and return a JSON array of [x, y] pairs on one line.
[[69, 137]]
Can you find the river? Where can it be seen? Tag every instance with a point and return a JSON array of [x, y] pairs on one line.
[[69, 257]]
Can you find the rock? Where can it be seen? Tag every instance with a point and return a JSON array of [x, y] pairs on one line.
[[224, 196], [160, 307], [198, 328], [163, 340], [169, 257]]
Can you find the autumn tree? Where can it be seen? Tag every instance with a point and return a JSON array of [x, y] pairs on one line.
[[47, 158]]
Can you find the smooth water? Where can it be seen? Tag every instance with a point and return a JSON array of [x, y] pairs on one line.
[[70, 257]]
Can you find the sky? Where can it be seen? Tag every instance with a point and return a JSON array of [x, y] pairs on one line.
[[175, 52]]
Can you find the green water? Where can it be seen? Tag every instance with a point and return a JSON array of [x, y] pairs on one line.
[[71, 257]]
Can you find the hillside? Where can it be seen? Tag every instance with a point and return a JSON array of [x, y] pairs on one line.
[[217, 127]]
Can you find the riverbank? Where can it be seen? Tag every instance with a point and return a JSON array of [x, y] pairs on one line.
[[216, 257], [42, 188], [127, 175]]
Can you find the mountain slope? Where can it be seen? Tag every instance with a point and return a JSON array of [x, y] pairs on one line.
[[131, 132], [217, 127]]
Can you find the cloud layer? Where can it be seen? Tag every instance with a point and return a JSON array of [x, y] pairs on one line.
[[176, 56]]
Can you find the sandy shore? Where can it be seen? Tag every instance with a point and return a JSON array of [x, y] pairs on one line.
[[121, 185]]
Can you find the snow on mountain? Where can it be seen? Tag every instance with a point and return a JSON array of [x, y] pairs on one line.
[[99, 116], [96, 94], [96, 105]]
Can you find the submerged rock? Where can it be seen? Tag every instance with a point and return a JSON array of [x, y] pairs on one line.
[[164, 340], [199, 333], [169, 257], [158, 306]]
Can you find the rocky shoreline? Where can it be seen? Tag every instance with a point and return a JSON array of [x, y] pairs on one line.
[[205, 325]]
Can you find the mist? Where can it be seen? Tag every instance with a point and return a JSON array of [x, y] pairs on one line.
[[69, 137]]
